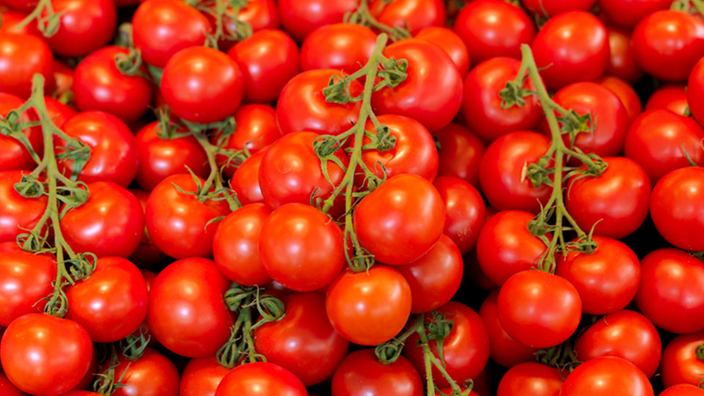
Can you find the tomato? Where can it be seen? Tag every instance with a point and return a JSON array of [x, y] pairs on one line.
[[161, 28], [361, 374], [465, 349], [302, 105], [147, 254], [201, 377], [506, 246], [10, 20], [401, 220], [493, 28], [25, 280], [58, 112], [13, 154], [151, 375], [625, 334], [628, 96], [8, 389], [676, 207], [504, 350], [99, 85], [303, 341], [85, 26], [432, 91], [176, 221], [451, 43], [621, 62], [539, 309], [268, 60], [44, 355], [256, 379], [187, 313], [21, 5], [672, 97], [259, 14], [531, 378], [461, 152], [628, 13], [245, 180], [683, 390], [615, 203], [236, 245], [681, 363], [300, 17], [21, 57], [604, 376], [667, 44], [465, 212], [695, 91], [670, 294], [342, 46], [481, 104], [548, 8], [63, 74], [411, 14], [17, 213], [575, 44]]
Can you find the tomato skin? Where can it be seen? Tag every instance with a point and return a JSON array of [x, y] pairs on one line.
[[680, 363], [176, 221], [85, 26], [539, 309], [531, 378], [618, 199], [576, 43], [481, 103], [683, 390], [465, 212], [201, 377], [245, 180], [628, 96], [386, 220], [361, 374], [612, 376], [58, 112], [17, 212], [303, 342], [236, 245], [12, 18], [8, 389], [187, 313], [256, 379], [13, 154], [621, 63], [465, 349], [451, 43], [21, 5], [25, 279], [161, 28], [35, 345], [461, 152], [628, 13], [147, 254], [670, 277], [368, 308], [342, 46], [672, 97], [676, 207], [432, 91], [299, 18], [22, 56], [504, 350], [695, 91], [151, 375], [413, 14], [548, 8]]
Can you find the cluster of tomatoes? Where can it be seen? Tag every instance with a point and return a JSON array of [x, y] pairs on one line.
[[352, 197]]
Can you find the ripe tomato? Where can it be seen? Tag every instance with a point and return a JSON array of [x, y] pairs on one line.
[[303, 341], [343, 46], [683, 390], [695, 90], [531, 378], [548, 8], [481, 103], [13, 154], [368, 308], [151, 375], [17, 213], [147, 254], [432, 91], [628, 13], [21, 57], [493, 28], [670, 294], [681, 363], [8, 389], [451, 43], [672, 97], [245, 180], [465, 212], [176, 221], [187, 313], [85, 26], [677, 208], [201, 377], [58, 112], [401, 220], [12, 18], [628, 96], [25, 280], [607, 376], [411, 14], [461, 152], [621, 62], [300, 17], [256, 379], [575, 44], [21, 5], [361, 374], [45, 355], [539, 309], [504, 350]]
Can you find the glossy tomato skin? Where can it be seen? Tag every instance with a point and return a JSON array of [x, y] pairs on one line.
[[622, 63], [37, 344], [626, 93], [548, 8], [176, 221], [151, 375], [677, 208], [245, 180], [299, 18], [612, 376], [21, 5], [9, 389], [368, 308], [695, 91], [17, 213], [669, 278], [22, 56], [342, 46], [25, 279], [683, 390], [628, 13], [531, 378], [432, 91], [461, 152], [303, 341], [465, 211], [147, 254], [58, 112], [504, 350], [576, 43], [13, 154], [201, 377], [12, 18], [451, 43], [361, 374], [481, 103], [85, 26], [187, 313], [411, 14], [671, 97], [680, 361], [387, 220], [256, 379]]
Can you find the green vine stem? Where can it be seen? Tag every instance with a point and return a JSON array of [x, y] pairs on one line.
[[48, 21], [685, 6], [222, 11], [363, 16]]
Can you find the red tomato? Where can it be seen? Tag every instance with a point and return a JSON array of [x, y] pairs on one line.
[[201, 377], [576, 46], [25, 280], [85, 26], [10, 20], [151, 375], [461, 153], [672, 97], [621, 62], [361, 374], [260, 14], [432, 91], [628, 96], [548, 8], [683, 390], [21, 5], [303, 341], [677, 208], [245, 180], [176, 221], [625, 334], [343, 46], [628, 13], [493, 28], [44, 355], [607, 376], [8, 389], [465, 212], [147, 254], [465, 349], [451, 43], [615, 203], [681, 363], [63, 74], [504, 350], [256, 379], [21, 57], [300, 17], [670, 294], [531, 378], [187, 313], [13, 154], [17, 213], [411, 14], [481, 104], [368, 308], [695, 91], [401, 220], [58, 112], [539, 309], [161, 28]]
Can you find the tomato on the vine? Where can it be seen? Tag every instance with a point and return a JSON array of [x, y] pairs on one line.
[[531, 378], [153, 374], [17, 213], [25, 280], [361, 373], [612, 376], [201, 376], [682, 362], [461, 153], [300, 17], [413, 15], [256, 379], [451, 43], [504, 350], [21, 57], [677, 208], [343, 46], [85, 26]]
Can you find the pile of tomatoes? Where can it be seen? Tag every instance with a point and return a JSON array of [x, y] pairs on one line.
[[352, 197]]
